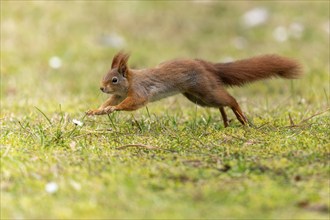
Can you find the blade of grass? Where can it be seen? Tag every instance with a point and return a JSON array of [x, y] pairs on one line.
[[49, 121]]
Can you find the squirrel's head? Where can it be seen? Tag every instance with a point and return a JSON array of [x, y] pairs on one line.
[[115, 81]]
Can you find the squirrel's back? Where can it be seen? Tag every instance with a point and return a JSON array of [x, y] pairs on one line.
[[252, 69]]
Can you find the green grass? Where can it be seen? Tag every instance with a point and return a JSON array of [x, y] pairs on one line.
[[184, 164]]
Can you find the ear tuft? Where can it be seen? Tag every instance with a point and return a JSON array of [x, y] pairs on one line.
[[122, 66], [118, 58]]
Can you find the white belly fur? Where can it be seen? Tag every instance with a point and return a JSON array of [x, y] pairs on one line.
[[160, 93]]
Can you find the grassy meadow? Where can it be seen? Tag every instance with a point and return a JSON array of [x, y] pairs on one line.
[[170, 159]]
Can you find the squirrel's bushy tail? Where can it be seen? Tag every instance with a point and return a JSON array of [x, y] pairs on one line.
[[256, 68]]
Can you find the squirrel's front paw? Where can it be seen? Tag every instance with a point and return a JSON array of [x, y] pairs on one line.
[[90, 112], [94, 112], [102, 111], [109, 109]]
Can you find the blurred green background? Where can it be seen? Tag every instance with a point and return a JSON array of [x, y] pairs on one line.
[[53, 56], [85, 35]]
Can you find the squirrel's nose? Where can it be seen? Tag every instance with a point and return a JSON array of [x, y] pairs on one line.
[[102, 89]]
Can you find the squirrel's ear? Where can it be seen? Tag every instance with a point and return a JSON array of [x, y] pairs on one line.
[[122, 66], [115, 60]]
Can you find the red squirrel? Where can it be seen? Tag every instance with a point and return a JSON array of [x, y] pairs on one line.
[[202, 82]]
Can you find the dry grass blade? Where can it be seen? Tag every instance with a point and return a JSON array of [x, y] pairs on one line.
[[292, 124], [149, 147], [291, 121], [317, 114]]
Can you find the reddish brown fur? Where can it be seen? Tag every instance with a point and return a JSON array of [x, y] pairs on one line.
[[200, 81], [257, 68]]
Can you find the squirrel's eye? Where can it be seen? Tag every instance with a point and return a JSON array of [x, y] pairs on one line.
[[114, 80]]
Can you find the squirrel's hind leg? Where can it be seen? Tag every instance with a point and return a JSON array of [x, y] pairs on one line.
[[238, 112], [222, 98], [227, 100], [224, 116], [215, 99]]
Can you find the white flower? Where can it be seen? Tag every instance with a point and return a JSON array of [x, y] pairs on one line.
[[296, 30], [77, 122], [51, 187], [227, 59], [239, 42], [75, 185], [280, 34], [255, 17], [55, 62], [326, 27], [113, 40]]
